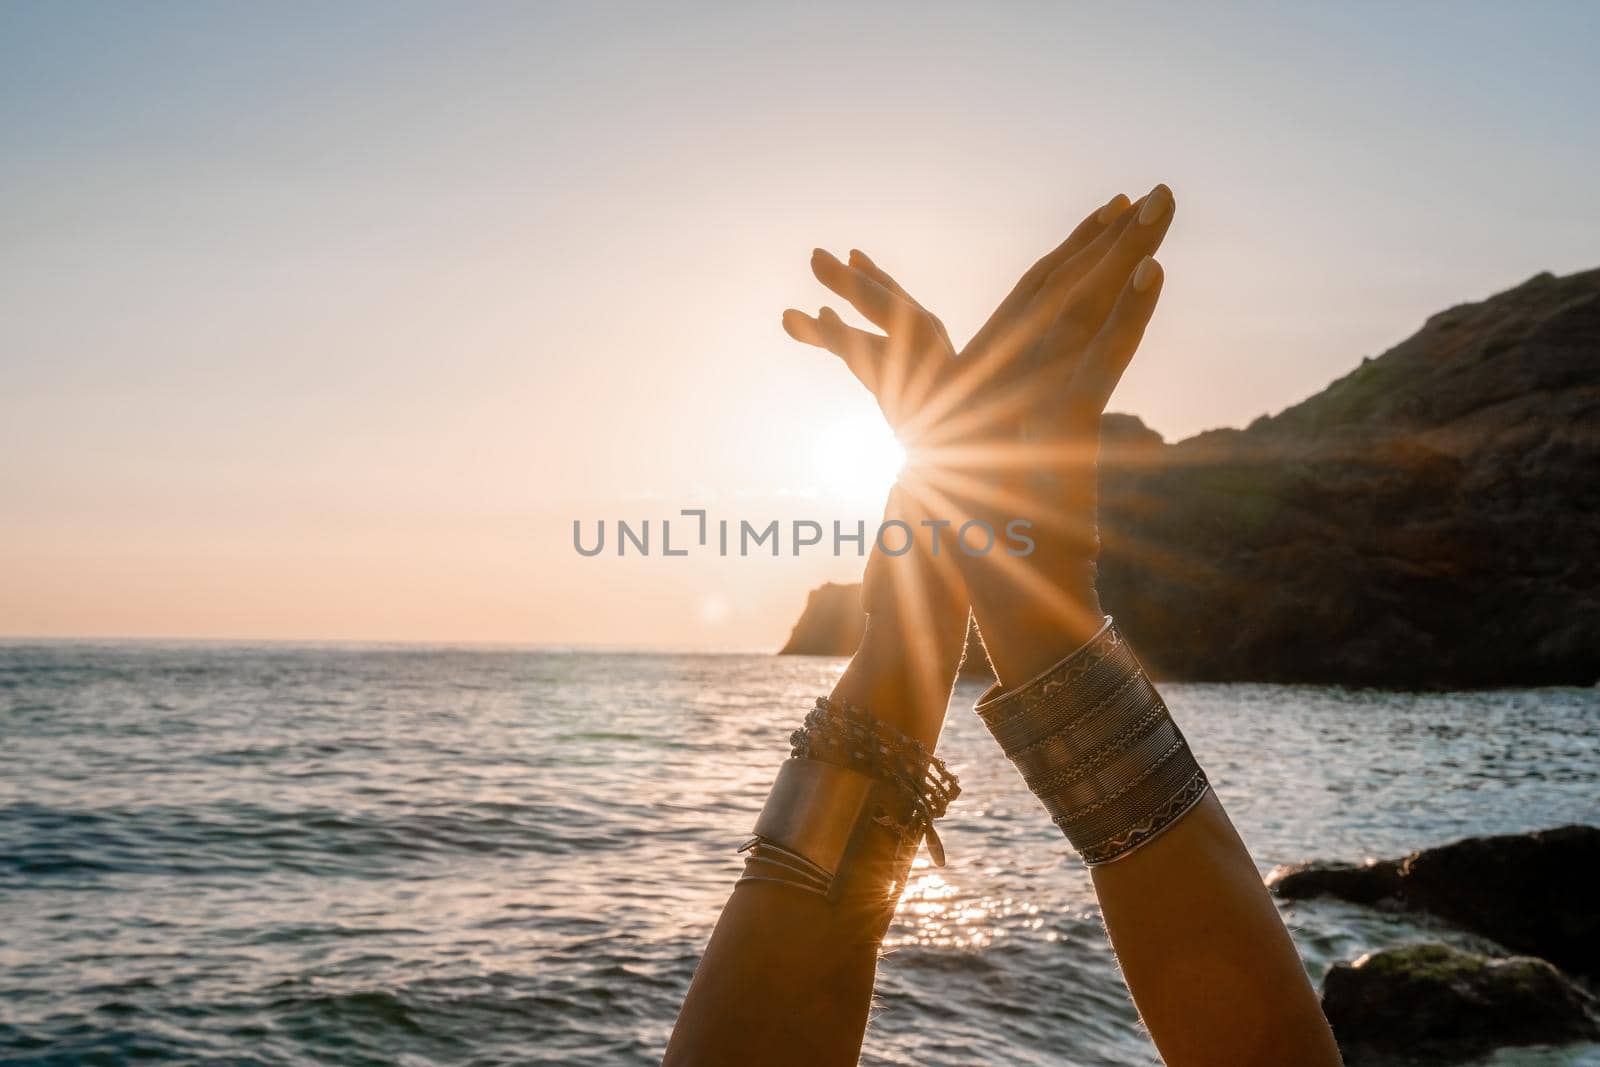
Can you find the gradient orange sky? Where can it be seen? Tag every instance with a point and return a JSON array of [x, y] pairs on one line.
[[327, 324]]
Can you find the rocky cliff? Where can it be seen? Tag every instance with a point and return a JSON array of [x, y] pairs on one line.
[[1432, 519], [832, 623]]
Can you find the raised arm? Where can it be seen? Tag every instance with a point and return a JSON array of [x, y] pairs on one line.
[[1010, 427], [788, 975], [1211, 968]]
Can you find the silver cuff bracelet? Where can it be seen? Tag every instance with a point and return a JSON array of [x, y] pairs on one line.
[[849, 808], [1095, 742], [816, 820]]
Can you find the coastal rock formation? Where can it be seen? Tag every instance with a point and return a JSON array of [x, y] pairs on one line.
[[1432, 1003], [1533, 893], [1373, 882], [832, 623], [1432, 519]]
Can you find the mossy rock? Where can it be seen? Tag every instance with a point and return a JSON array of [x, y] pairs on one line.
[[1431, 1003]]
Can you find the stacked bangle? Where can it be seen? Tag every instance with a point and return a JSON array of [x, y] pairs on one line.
[[1096, 743], [849, 808]]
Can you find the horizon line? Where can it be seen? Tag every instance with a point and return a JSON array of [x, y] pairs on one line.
[[377, 642]]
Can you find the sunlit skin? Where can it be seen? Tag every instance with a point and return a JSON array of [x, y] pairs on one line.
[[1007, 426]]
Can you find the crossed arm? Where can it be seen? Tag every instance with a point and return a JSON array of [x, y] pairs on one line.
[[1008, 425]]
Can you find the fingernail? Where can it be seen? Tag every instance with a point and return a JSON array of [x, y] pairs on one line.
[[856, 257], [1155, 205], [1147, 274], [1112, 210]]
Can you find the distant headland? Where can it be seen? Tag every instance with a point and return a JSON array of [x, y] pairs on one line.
[[1430, 520]]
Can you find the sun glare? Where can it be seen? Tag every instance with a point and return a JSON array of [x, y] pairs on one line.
[[856, 457]]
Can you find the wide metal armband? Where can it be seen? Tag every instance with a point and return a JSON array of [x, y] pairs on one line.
[[1097, 745], [832, 831], [814, 811], [849, 809]]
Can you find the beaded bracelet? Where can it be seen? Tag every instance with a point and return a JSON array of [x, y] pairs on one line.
[[849, 808], [1097, 745]]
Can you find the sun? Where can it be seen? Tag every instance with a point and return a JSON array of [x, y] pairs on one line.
[[856, 456]]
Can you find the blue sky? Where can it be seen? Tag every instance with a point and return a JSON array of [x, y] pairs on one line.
[[326, 321]]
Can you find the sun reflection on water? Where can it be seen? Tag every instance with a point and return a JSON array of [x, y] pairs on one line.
[[936, 912]]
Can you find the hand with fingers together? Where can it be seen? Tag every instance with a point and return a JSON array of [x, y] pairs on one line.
[[1009, 427]]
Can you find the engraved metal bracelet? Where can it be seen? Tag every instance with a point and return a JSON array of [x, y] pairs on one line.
[[1097, 745]]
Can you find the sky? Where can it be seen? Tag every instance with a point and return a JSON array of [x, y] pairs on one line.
[[327, 322]]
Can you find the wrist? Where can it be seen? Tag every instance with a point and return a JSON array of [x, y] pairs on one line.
[[1026, 634], [905, 667]]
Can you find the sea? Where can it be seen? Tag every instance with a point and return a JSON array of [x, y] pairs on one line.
[[321, 854]]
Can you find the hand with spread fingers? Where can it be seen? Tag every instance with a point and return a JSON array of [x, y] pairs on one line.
[[1009, 427]]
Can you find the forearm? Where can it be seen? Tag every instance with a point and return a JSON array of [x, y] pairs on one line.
[[787, 977], [785, 980], [1205, 954]]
